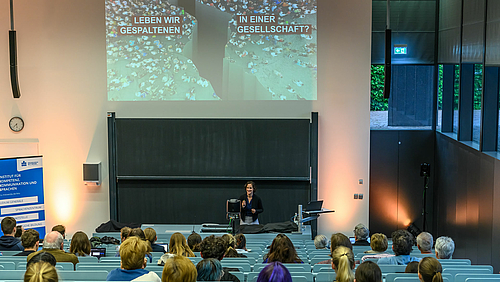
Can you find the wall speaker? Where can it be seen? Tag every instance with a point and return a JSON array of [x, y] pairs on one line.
[[14, 82], [387, 66], [92, 174]]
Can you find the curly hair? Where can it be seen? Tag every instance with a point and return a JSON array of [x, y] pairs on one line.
[[402, 242], [212, 247], [29, 238], [282, 250]]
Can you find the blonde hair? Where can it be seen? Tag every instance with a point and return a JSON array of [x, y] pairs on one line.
[[132, 253], [430, 269], [378, 242], [343, 259], [179, 246], [41, 272], [179, 269], [150, 234]]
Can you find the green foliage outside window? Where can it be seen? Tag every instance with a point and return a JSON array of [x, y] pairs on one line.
[[378, 103]]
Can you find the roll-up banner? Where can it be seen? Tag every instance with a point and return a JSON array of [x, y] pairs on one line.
[[21, 192]]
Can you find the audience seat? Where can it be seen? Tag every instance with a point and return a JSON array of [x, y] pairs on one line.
[[8, 265], [81, 275], [88, 259], [469, 269], [462, 277], [292, 267], [326, 276], [240, 275], [390, 277], [322, 268]]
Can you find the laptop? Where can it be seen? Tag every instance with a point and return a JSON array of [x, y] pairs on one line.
[[314, 206], [98, 252]]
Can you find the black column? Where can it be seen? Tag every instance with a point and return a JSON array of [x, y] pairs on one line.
[[465, 105], [447, 99], [489, 118]]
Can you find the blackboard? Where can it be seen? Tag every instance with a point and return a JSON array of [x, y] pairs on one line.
[[212, 147]]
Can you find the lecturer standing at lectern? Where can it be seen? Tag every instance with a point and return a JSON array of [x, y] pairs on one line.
[[251, 205]]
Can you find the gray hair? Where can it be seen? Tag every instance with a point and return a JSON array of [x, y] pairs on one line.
[[321, 242], [444, 247], [425, 240], [53, 245], [361, 232]]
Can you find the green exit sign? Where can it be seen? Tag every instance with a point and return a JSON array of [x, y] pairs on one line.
[[400, 49]]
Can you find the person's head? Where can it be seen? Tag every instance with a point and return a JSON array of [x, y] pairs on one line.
[[339, 239], [53, 240], [132, 253], [194, 240], [368, 271], [274, 272], [40, 272], [444, 247], [179, 269], [61, 229], [9, 226], [125, 232], [424, 242], [250, 188], [412, 267], [282, 250], [212, 247], [343, 263], [241, 241], [209, 270], [378, 242], [320, 242], [402, 242], [179, 246], [150, 235], [138, 233], [361, 232], [429, 270], [19, 231], [43, 256], [30, 239], [229, 240], [80, 244]]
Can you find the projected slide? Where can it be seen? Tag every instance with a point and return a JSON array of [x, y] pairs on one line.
[[219, 50]]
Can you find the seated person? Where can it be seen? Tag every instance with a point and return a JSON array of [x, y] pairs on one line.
[[179, 269], [230, 243], [424, 242], [343, 264], [80, 244], [61, 229], [412, 267], [282, 250], [444, 247], [124, 233], [42, 256], [274, 272], [429, 270], [19, 232], [8, 242], [178, 247], [53, 244], [361, 234], [40, 272], [368, 271], [151, 237], [320, 242], [379, 245], [241, 243], [209, 270], [214, 247], [337, 239], [133, 261], [194, 240], [30, 241], [402, 245]]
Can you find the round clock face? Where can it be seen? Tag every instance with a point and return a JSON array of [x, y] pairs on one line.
[[16, 124]]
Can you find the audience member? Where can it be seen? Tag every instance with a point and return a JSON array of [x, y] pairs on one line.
[[53, 244], [412, 267], [241, 243], [361, 235], [151, 237], [368, 271], [8, 242], [379, 245], [40, 272], [19, 231], [429, 270], [321, 242], [194, 240], [178, 247], [343, 264], [282, 250], [80, 244], [213, 247], [274, 272], [402, 245], [209, 270], [137, 232], [179, 269], [133, 261], [424, 242], [124, 233], [30, 241], [337, 239], [230, 243], [444, 247], [42, 256], [61, 229]]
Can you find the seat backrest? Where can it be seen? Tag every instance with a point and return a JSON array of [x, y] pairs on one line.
[[239, 275], [462, 277], [8, 265], [95, 267], [461, 261], [482, 279], [242, 266], [317, 259], [88, 260], [82, 275], [322, 268], [389, 277], [303, 267], [13, 274], [326, 276], [389, 268], [110, 259], [469, 269]]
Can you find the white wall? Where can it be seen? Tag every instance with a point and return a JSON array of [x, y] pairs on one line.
[[62, 73]]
